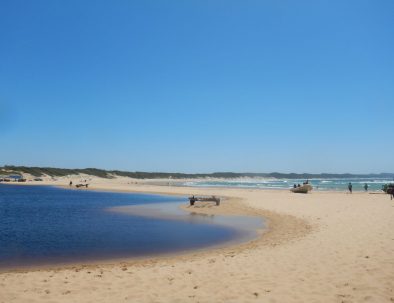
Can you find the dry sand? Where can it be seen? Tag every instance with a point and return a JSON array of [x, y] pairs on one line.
[[320, 247]]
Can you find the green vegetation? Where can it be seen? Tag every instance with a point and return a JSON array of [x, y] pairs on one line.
[[54, 172], [60, 172]]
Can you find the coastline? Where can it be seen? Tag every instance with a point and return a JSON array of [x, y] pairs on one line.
[[269, 234], [324, 246]]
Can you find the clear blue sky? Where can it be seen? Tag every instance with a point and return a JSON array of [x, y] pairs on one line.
[[198, 86]]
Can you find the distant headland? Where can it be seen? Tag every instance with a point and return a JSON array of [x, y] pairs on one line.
[[61, 172]]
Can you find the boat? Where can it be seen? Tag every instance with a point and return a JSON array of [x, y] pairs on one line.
[[302, 189], [388, 187]]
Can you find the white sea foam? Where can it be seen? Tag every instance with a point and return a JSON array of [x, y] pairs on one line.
[[271, 183]]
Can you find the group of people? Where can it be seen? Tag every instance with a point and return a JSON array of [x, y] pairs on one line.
[[350, 187], [299, 185], [71, 182]]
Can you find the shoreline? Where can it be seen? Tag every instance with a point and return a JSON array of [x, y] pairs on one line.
[[358, 186], [319, 247], [231, 206]]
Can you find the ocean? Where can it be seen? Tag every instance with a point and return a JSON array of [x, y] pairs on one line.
[[374, 184]]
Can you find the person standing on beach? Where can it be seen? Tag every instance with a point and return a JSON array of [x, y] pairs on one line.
[[350, 187], [366, 187]]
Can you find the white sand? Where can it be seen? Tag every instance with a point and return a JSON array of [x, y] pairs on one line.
[[321, 247]]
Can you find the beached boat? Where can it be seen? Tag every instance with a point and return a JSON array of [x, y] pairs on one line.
[[302, 189]]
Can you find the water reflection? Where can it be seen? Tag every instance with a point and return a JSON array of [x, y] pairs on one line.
[[45, 225], [172, 211]]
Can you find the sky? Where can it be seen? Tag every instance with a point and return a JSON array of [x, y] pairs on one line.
[[198, 86]]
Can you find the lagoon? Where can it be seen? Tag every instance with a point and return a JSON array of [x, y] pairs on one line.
[[43, 225]]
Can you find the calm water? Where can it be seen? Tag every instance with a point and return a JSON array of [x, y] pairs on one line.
[[374, 184], [44, 225]]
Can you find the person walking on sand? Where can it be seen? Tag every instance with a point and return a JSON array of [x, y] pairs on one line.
[[71, 183], [350, 187], [366, 187]]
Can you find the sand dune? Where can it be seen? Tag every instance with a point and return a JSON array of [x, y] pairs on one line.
[[320, 247]]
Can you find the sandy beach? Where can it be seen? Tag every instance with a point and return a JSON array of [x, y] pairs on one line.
[[319, 247]]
